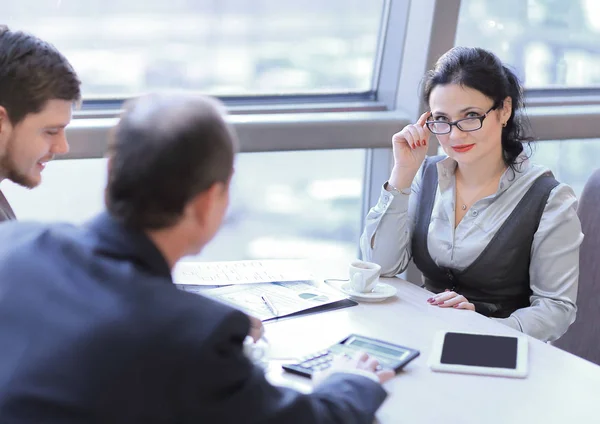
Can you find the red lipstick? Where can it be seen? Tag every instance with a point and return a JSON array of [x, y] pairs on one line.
[[462, 148]]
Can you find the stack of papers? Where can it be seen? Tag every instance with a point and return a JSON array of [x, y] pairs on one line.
[[241, 272], [266, 289]]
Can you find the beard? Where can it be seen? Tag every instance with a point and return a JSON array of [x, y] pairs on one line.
[[10, 170]]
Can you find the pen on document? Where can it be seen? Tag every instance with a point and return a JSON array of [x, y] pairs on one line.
[[270, 305]]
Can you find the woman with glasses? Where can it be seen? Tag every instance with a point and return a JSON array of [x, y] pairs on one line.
[[490, 231]]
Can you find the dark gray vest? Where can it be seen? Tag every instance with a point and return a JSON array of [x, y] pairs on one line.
[[6, 212], [497, 282]]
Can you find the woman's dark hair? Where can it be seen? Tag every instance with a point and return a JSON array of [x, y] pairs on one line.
[[481, 70]]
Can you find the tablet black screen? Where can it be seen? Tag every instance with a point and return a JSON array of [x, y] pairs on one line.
[[479, 350]]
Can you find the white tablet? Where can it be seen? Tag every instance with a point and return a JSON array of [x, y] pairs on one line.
[[484, 354]]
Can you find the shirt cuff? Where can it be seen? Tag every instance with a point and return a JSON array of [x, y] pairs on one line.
[[393, 202], [370, 375]]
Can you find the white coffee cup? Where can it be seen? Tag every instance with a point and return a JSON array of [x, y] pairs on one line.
[[364, 276]]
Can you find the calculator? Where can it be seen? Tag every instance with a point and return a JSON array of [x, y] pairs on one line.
[[390, 356]]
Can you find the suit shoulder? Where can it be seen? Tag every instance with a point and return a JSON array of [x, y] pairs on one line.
[[22, 240], [26, 230]]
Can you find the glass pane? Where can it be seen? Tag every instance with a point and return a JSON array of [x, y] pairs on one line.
[[551, 43], [283, 204], [571, 161], [223, 47]]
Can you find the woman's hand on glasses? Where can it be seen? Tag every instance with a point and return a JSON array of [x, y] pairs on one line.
[[410, 144]]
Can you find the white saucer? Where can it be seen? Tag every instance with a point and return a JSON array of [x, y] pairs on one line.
[[380, 292]]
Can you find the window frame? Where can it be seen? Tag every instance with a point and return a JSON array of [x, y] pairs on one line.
[[328, 121], [413, 35]]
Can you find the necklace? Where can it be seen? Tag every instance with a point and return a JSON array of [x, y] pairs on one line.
[[463, 204]]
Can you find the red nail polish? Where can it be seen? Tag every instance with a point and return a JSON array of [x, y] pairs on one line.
[[455, 306], [430, 300], [440, 303]]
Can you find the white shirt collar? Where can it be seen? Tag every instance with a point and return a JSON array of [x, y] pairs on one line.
[[447, 167]]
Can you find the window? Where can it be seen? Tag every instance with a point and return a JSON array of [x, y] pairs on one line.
[[571, 161], [223, 47], [551, 43], [71, 191], [304, 204]]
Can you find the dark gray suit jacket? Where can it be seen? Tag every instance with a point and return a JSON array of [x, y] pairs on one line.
[[6, 212], [93, 330]]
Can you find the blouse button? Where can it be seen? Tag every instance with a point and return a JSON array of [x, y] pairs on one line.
[[474, 213]]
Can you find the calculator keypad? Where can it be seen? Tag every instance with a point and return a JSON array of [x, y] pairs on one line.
[[316, 362]]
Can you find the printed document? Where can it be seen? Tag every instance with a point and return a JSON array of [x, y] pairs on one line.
[[241, 272], [287, 298]]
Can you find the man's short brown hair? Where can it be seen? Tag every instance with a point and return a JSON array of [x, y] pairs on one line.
[[165, 150], [32, 72]]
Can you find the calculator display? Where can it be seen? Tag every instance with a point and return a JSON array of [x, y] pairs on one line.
[[376, 348]]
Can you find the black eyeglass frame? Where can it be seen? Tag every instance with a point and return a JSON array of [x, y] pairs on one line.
[[457, 123]]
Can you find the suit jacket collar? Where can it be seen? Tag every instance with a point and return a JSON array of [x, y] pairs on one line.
[[117, 240], [6, 212]]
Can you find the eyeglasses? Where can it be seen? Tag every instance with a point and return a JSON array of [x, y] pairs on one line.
[[466, 124]]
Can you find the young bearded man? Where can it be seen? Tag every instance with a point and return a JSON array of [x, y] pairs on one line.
[[38, 89]]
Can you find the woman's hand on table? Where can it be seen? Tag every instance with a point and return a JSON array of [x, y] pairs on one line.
[[451, 299]]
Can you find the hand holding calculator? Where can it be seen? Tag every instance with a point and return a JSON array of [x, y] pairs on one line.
[[390, 356]]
